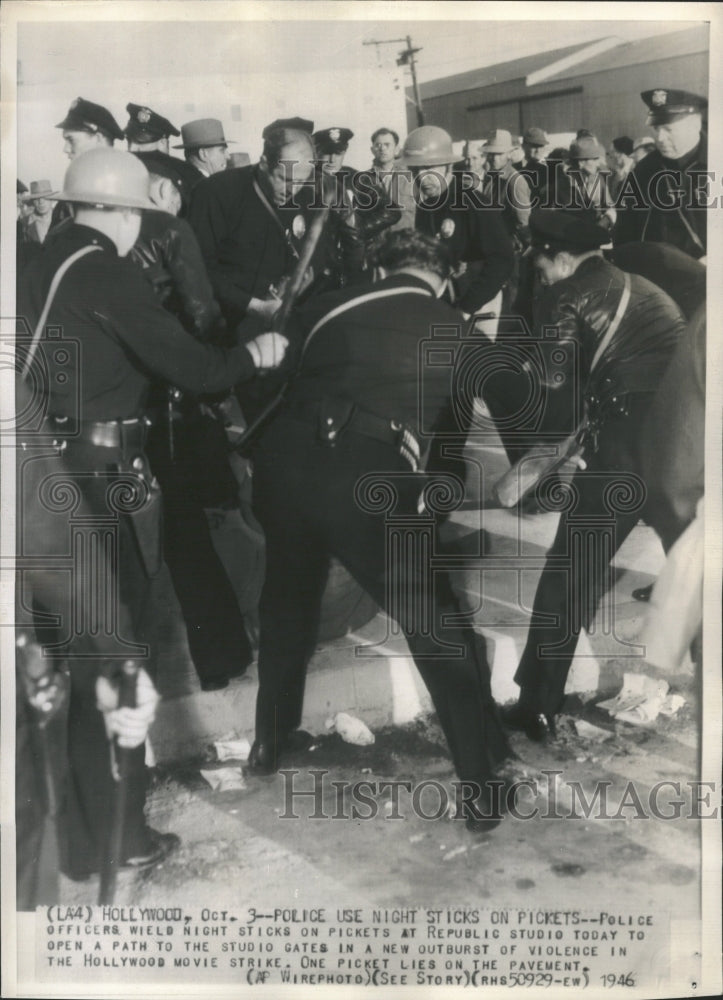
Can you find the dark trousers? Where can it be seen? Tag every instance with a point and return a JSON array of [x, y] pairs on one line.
[[600, 508], [217, 638], [81, 580], [313, 503]]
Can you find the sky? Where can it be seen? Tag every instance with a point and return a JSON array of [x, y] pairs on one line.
[[266, 60], [189, 47]]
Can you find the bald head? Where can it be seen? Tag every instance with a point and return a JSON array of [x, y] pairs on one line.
[[287, 162]]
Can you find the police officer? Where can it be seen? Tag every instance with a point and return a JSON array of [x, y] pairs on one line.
[[348, 436], [626, 330], [94, 414], [472, 230], [251, 225], [667, 189], [368, 200], [146, 130], [86, 126], [187, 446]]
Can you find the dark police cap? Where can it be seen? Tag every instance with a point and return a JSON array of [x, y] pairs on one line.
[[667, 106], [145, 125], [21, 188], [84, 116], [555, 230], [332, 140], [298, 124], [164, 165]]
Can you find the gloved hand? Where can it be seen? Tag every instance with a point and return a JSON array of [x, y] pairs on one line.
[[130, 725], [268, 350]]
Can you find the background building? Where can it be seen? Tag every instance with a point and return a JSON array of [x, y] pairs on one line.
[[591, 85]]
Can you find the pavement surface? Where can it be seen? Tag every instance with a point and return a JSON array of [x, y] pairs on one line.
[[246, 845]]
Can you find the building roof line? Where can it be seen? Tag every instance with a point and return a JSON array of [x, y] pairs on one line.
[[560, 65]]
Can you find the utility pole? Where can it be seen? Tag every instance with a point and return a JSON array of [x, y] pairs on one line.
[[406, 58]]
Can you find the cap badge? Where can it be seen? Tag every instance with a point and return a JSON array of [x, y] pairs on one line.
[[75, 103], [659, 98], [334, 134], [298, 226], [144, 115], [447, 228]]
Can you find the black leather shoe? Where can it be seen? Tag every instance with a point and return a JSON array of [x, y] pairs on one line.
[[537, 726], [159, 848], [487, 812], [214, 685], [264, 758], [643, 593]]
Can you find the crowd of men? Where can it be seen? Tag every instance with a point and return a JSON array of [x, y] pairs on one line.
[[305, 288]]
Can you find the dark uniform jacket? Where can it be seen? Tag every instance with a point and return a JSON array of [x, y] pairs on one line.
[[653, 211], [370, 353], [247, 246], [582, 307], [124, 334], [168, 253], [676, 272], [476, 236], [674, 437]]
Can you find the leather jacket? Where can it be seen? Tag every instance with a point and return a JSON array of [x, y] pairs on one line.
[[168, 253], [581, 308]]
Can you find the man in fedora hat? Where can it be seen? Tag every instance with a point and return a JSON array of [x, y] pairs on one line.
[[507, 187], [146, 130], [38, 223], [204, 146], [624, 330], [535, 144], [583, 187], [668, 188]]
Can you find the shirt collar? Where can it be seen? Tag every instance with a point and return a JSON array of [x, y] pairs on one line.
[[399, 280], [86, 235]]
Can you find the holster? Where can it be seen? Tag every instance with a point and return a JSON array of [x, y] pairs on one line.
[[334, 415], [147, 520]]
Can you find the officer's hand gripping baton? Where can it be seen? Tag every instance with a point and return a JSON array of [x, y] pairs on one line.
[[113, 856]]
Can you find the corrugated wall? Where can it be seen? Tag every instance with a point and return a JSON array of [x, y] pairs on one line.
[[606, 102]]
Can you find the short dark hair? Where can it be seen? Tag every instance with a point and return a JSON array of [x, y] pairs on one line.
[[386, 131], [278, 138], [401, 248]]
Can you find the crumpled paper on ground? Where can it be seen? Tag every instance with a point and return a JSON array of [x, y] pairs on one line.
[[590, 732], [351, 729], [232, 749], [641, 699], [225, 779]]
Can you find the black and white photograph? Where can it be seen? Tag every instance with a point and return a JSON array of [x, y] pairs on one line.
[[361, 548]]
